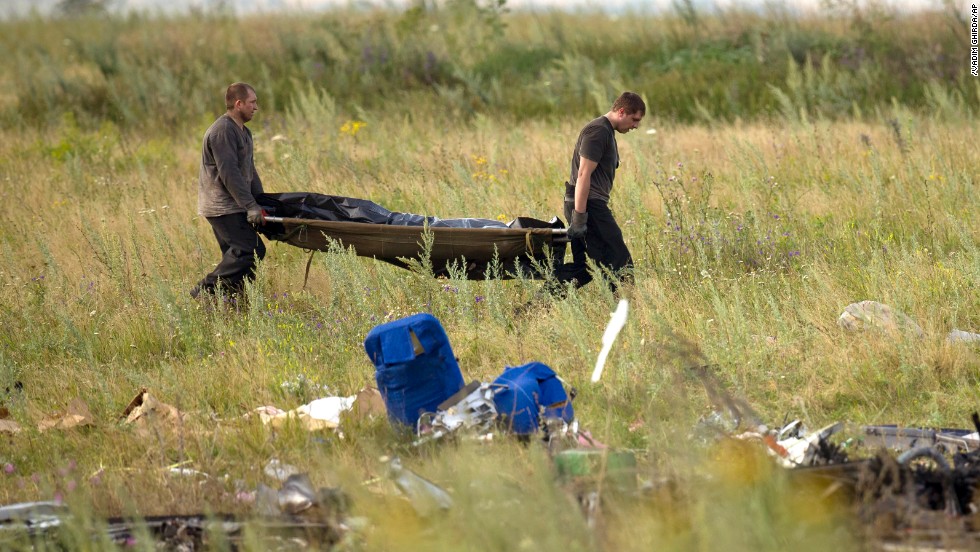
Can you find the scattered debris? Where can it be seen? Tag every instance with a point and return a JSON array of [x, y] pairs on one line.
[[901, 439], [528, 393], [422, 386], [9, 426], [425, 496], [415, 367], [368, 404], [616, 323], [298, 514], [899, 480], [897, 496], [145, 412], [911, 480], [795, 446], [199, 532], [299, 496], [320, 414], [32, 515], [181, 532], [279, 471], [77, 414], [872, 314], [471, 408], [599, 468], [325, 412], [960, 336], [265, 413], [188, 472]]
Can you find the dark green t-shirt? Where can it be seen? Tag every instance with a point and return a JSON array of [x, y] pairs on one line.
[[597, 142]]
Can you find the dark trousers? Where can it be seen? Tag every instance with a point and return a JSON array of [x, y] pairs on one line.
[[240, 245], [603, 243]]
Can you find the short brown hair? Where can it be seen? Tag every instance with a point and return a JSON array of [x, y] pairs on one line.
[[631, 102], [237, 91]]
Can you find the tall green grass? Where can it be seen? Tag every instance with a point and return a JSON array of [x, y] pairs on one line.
[[750, 238], [475, 57]]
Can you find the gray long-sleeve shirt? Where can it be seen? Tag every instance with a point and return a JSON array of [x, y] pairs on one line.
[[228, 179]]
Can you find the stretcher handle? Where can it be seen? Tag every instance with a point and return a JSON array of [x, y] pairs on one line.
[[557, 232]]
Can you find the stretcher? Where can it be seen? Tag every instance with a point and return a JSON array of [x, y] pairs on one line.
[[475, 247]]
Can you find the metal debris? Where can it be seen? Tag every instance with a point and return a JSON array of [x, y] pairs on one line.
[[301, 516], [900, 438], [280, 471], [471, 409], [32, 515], [425, 496], [910, 484]]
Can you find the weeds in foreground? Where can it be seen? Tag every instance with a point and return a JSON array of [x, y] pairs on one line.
[[749, 241]]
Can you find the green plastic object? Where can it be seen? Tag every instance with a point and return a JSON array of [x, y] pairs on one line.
[[587, 465]]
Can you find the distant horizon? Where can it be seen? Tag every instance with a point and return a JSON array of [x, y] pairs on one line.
[[20, 8]]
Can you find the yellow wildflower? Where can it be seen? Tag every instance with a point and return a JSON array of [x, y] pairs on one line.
[[352, 127]]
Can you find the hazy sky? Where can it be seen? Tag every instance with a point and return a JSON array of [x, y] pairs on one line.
[[9, 7]]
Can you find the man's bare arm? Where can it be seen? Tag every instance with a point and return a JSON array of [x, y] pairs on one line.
[[583, 182]]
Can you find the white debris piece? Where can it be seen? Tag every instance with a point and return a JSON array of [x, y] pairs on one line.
[[616, 323]]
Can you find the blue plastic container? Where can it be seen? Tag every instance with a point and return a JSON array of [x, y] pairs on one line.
[[415, 366], [531, 388]]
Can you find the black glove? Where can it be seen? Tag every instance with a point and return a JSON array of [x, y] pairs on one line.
[[579, 225], [256, 216], [569, 207]]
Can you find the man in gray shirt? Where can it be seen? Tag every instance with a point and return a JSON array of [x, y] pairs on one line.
[[226, 196], [591, 227]]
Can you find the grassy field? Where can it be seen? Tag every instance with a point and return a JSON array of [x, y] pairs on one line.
[[752, 227]]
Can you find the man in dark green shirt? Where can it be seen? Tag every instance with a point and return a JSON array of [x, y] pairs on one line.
[[226, 194], [591, 227]]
